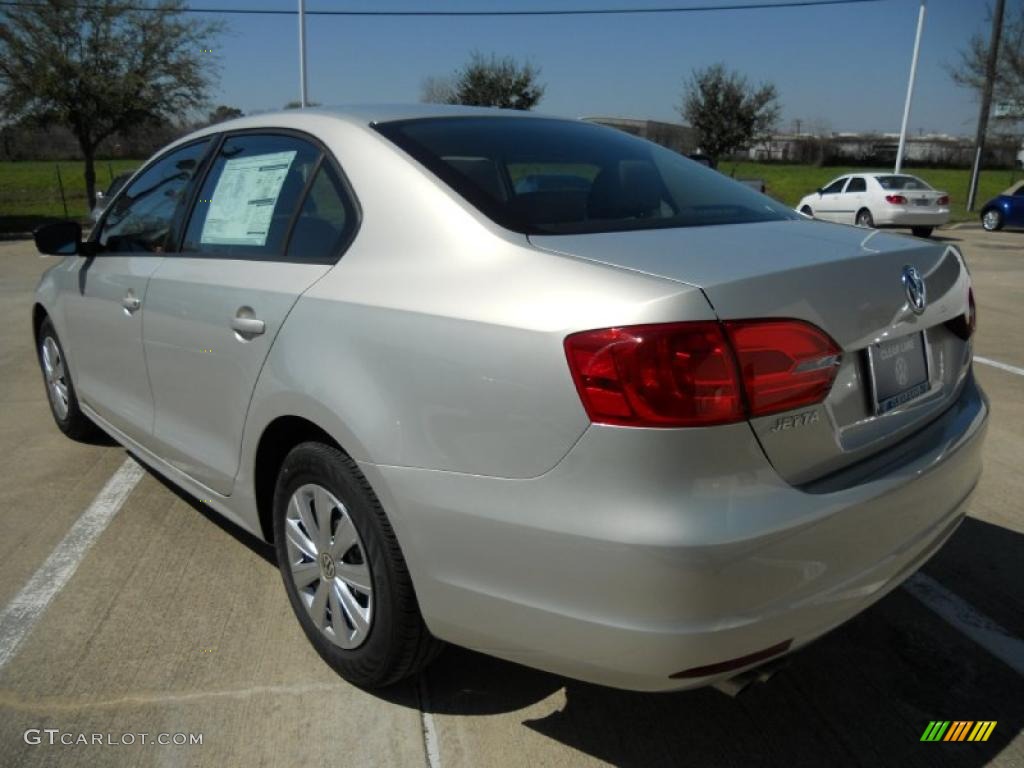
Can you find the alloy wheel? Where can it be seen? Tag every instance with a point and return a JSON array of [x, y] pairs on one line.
[[328, 566], [990, 220], [56, 377]]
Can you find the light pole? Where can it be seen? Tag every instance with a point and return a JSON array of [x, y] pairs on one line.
[[910, 88], [303, 95]]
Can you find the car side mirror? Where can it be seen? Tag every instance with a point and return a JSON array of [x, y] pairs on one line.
[[59, 238]]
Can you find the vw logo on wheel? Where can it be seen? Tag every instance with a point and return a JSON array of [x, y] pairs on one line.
[[327, 569], [913, 284]]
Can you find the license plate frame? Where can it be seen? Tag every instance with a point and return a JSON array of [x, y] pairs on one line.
[[922, 202], [900, 371]]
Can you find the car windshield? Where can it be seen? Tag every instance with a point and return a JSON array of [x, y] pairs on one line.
[[549, 176], [901, 182]]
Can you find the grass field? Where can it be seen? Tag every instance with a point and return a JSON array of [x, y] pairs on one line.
[[789, 183], [29, 193]]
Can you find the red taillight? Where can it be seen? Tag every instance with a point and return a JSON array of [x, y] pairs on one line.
[[963, 325], [896, 199], [943, 200], [785, 364], [666, 375], [686, 374]]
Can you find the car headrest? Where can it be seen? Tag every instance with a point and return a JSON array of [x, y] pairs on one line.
[[483, 172], [630, 190]]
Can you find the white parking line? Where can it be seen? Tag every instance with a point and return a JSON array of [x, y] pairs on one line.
[[979, 628], [430, 744], [999, 365], [24, 610]]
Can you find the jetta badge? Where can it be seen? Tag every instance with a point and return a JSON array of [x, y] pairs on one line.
[[913, 284]]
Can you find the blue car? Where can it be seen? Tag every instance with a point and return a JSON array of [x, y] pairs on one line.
[[1007, 209]]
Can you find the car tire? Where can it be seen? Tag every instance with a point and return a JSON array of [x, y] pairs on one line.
[[992, 220], [60, 389], [922, 231], [806, 211], [359, 610], [864, 218]]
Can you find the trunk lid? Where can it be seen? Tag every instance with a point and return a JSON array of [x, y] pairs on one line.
[[845, 280], [921, 198]]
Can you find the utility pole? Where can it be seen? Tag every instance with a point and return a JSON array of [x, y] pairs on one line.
[[303, 94], [910, 89], [986, 99]]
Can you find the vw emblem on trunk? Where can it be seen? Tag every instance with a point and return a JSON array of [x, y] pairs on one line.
[[913, 284]]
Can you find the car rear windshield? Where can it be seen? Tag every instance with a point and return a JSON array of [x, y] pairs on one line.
[[901, 182], [549, 176]]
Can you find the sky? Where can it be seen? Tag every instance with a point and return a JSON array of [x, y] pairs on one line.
[[843, 68]]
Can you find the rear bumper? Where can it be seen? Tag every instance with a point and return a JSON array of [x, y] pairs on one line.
[[908, 216], [648, 552]]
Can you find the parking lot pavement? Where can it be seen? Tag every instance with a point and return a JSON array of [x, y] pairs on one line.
[[176, 622]]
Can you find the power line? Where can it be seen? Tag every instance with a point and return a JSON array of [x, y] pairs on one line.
[[542, 12]]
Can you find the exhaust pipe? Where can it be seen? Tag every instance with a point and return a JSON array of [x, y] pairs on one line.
[[734, 686]]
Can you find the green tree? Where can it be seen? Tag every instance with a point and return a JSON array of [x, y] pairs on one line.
[[726, 111], [223, 113], [103, 67], [488, 82]]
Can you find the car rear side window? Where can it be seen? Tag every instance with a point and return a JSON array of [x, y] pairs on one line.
[[141, 218], [857, 185], [549, 176], [250, 196], [326, 222]]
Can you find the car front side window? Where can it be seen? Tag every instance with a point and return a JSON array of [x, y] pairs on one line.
[[140, 218]]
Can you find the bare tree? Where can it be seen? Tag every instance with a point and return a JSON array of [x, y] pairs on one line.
[[726, 112], [103, 67], [437, 90], [1008, 87]]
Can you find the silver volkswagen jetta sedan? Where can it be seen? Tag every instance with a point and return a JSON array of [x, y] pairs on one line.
[[528, 385]]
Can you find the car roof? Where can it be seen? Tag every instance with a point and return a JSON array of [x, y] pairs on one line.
[[368, 114], [359, 115]]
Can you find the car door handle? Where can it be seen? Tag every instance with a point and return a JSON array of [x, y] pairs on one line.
[[130, 303], [248, 326]]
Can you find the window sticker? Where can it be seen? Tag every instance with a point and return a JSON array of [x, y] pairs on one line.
[[244, 199]]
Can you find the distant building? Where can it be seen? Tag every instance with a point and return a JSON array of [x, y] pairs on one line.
[[879, 149], [681, 138]]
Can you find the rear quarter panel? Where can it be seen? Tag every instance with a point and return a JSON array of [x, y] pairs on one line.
[[437, 340]]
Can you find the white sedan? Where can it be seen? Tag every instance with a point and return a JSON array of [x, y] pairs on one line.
[[879, 200]]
